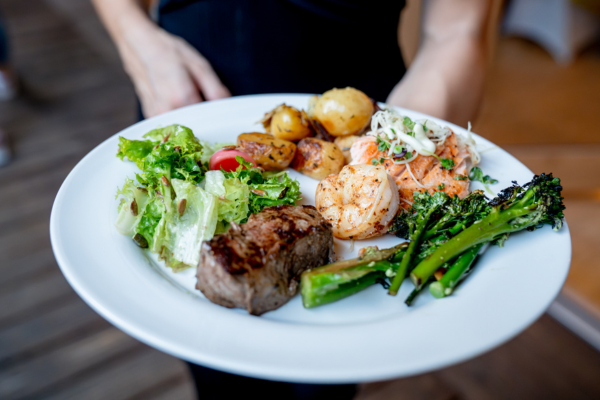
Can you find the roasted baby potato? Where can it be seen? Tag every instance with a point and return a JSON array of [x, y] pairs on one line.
[[342, 112], [287, 123], [270, 153], [344, 143], [317, 158]]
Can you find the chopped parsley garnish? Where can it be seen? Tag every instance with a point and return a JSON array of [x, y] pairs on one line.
[[382, 145], [441, 186], [460, 178], [408, 123], [476, 174], [375, 161], [447, 163]]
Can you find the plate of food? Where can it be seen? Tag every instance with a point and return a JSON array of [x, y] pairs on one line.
[[314, 239]]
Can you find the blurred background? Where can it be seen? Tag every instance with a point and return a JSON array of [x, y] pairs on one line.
[[541, 104]]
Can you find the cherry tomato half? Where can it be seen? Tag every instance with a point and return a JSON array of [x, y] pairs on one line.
[[226, 159]]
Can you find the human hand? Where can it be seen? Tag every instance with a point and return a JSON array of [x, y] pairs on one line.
[[167, 72]]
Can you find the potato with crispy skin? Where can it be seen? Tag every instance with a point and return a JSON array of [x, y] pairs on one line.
[[288, 123], [317, 158], [342, 112], [344, 143], [270, 153]]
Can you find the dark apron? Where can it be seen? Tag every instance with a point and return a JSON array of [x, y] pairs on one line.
[[293, 46]]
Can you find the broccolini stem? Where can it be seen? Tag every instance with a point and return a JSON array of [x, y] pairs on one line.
[[445, 286], [343, 278], [415, 241], [434, 230], [413, 295], [312, 297]]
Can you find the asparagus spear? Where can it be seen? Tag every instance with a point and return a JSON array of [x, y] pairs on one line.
[[343, 278]]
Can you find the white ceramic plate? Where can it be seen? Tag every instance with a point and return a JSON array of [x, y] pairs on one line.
[[369, 336]]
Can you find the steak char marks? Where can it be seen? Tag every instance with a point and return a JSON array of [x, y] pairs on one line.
[[257, 265]]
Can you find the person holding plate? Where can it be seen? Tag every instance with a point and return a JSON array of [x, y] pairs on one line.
[[195, 50]]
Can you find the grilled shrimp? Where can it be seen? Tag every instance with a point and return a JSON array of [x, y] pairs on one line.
[[359, 202]]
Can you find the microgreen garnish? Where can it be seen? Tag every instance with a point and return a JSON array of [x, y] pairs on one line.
[[382, 145], [447, 163], [476, 174]]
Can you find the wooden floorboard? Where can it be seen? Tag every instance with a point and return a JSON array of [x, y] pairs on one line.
[[52, 345], [37, 262], [61, 366], [40, 294], [533, 365], [143, 372], [179, 390], [75, 95], [532, 100], [46, 331], [547, 116]]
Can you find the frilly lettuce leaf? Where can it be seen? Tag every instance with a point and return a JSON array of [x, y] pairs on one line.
[[266, 189], [181, 236], [135, 150], [278, 189], [153, 213], [174, 152], [131, 207], [233, 196], [159, 134]]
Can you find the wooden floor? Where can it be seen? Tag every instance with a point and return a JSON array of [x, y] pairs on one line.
[[53, 346], [548, 117]]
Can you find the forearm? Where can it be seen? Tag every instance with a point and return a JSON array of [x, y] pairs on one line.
[[445, 81], [446, 78]]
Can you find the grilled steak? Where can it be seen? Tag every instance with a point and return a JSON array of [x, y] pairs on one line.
[[257, 265]]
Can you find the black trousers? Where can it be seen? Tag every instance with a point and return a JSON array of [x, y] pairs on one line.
[[213, 385]]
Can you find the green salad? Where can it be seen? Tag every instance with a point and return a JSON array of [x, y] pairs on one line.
[[175, 202]]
